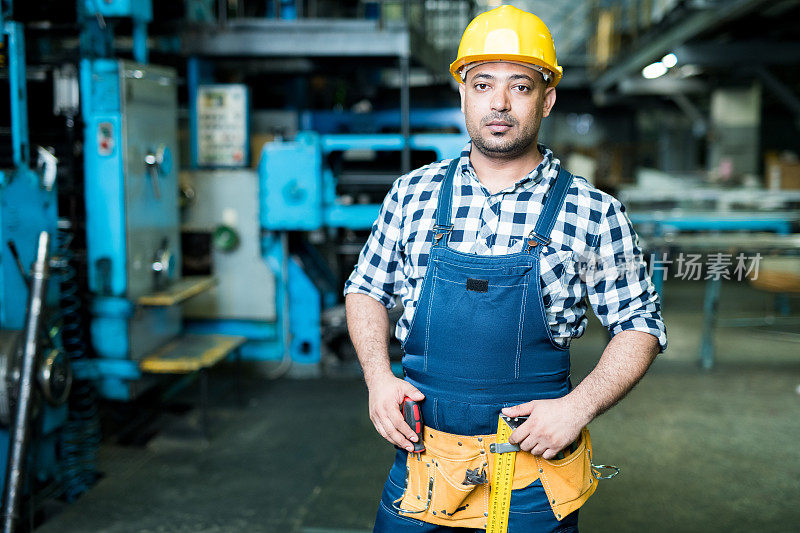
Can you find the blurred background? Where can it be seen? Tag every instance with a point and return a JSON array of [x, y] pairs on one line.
[[185, 186]]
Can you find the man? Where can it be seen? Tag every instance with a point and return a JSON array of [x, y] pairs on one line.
[[482, 250]]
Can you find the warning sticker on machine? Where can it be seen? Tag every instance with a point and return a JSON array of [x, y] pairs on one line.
[[105, 138]]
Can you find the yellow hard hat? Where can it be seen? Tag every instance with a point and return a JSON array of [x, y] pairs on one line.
[[509, 34]]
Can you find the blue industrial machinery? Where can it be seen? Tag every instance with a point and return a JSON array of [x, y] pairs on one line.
[[220, 118], [15, 37], [442, 120], [97, 20], [282, 9], [131, 192], [300, 195], [28, 207], [133, 241]]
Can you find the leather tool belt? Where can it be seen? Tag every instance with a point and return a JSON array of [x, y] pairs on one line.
[[448, 483]]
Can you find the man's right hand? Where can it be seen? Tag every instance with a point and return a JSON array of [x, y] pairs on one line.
[[385, 400]]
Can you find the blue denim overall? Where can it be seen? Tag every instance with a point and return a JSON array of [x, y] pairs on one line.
[[480, 341]]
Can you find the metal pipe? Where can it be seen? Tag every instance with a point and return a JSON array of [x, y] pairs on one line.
[[15, 469], [699, 123], [222, 15], [140, 51], [405, 97], [286, 331], [192, 81], [19, 93], [405, 112]]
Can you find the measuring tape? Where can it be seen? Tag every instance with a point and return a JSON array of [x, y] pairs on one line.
[[503, 475]]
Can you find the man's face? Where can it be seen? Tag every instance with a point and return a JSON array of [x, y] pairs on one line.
[[504, 104]]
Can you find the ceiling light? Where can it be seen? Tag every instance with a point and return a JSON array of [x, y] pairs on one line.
[[654, 70], [670, 60]]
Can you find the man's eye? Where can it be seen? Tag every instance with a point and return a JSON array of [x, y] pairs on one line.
[[523, 88], [481, 86]]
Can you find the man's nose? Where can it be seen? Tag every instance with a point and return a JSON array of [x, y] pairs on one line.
[[501, 101]]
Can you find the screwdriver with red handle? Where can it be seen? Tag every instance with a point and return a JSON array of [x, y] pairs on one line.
[[413, 417]]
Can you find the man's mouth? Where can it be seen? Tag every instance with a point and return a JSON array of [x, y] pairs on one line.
[[498, 126]]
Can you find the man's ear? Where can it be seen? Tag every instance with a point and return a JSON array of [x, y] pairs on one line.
[[461, 87], [549, 101]]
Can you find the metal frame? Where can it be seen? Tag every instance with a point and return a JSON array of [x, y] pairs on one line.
[[649, 49], [781, 241], [298, 38], [97, 36], [377, 122], [19, 93]]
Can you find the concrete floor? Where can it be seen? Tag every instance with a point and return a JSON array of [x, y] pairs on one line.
[[699, 451]]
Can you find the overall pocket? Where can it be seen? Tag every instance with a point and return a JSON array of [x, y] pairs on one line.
[[463, 315], [570, 481]]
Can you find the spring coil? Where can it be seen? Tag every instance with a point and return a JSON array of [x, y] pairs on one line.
[[81, 435]]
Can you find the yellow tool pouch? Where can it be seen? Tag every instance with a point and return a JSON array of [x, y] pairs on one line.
[[570, 481], [448, 483]]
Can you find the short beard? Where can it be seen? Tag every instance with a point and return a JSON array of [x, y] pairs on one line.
[[508, 148]]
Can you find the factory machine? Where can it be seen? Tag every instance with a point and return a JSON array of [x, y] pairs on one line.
[[35, 314], [133, 240], [129, 261], [99, 302], [133, 246], [301, 222], [256, 254]]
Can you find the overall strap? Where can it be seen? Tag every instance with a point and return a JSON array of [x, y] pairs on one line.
[[554, 199], [444, 207]]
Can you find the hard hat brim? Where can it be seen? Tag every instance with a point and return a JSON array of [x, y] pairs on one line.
[[456, 65]]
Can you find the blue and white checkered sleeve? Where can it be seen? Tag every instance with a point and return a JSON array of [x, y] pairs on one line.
[[619, 289], [379, 271]]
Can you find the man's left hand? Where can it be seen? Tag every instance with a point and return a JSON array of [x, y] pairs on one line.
[[551, 426]]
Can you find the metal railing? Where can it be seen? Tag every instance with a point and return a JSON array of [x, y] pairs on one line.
[[438, 23]]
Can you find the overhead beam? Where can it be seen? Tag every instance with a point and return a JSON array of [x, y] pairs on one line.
[[648, 50], [780, 90], [664, 86], [298, 38], [739, 53], [699, 122]]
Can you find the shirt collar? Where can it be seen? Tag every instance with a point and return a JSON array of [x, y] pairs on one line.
[[532, 178]]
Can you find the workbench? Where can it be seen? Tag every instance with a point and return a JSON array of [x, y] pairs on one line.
[[730, 243]]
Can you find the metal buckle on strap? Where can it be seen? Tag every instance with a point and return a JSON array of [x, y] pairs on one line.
[[439, 231], [534, 240]]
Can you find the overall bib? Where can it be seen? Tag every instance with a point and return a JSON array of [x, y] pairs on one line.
[[480, 341]]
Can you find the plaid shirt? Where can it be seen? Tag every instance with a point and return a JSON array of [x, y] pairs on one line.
[[592, 229]]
